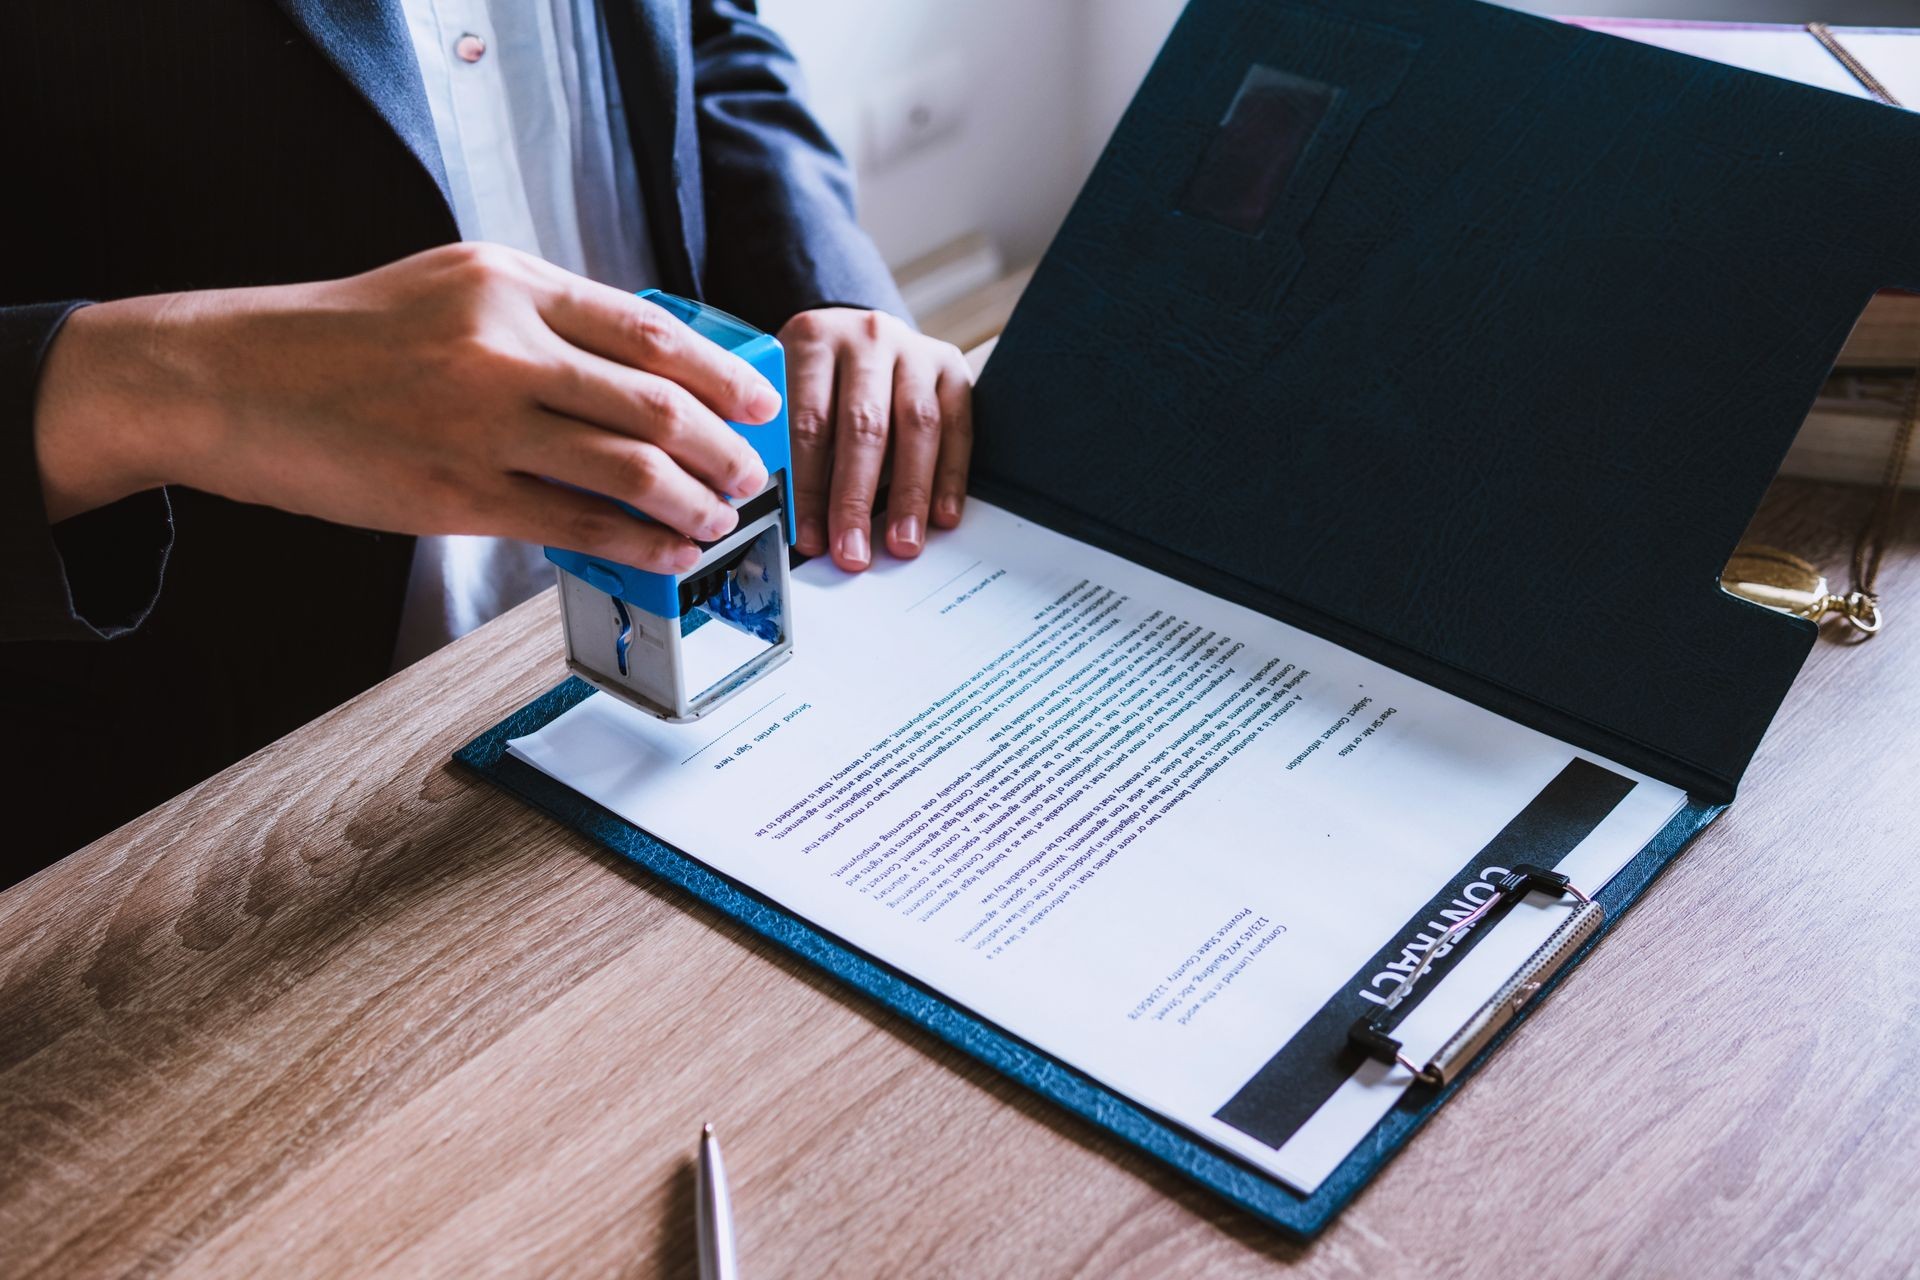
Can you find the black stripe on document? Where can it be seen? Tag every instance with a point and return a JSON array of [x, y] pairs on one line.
[[1298, 1080]]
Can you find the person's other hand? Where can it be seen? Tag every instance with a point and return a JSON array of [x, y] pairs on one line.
[[439, 394], [858, 384]]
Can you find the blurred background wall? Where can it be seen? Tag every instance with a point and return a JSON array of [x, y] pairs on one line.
[[973, 123]]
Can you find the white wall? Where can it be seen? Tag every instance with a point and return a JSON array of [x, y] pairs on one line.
[[1123, 37], [1014, 166], [1048, 79]]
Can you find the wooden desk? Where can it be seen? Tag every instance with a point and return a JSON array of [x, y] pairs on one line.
[[344, 1009]]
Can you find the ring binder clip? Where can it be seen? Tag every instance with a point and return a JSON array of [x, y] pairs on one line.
[[1370, 1034]]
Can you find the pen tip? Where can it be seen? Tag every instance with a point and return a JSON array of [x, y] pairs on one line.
[[706, 1130]]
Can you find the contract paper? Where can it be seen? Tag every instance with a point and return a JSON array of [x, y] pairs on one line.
[[1168, 840]]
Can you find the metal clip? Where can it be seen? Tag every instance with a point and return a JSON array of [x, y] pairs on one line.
[[1370, 1035]]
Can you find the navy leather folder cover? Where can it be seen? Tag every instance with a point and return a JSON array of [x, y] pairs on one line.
[[1467, 338], [1464, 338]]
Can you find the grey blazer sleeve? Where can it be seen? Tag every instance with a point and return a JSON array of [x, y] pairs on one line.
[[95, 576], [781, 232]]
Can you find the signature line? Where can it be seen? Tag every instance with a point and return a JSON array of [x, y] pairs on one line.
[[743, 719], [943, 586]]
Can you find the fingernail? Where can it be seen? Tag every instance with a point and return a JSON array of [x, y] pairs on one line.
[[684, 558], [813, 538], [906, 531], [721, 525], [754, 482], [853, 546], [766, 402], [949, 507]]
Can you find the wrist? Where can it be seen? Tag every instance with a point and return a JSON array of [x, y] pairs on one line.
[[113, 414]]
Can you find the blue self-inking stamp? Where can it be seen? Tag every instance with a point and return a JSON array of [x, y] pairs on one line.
[[642, 636]]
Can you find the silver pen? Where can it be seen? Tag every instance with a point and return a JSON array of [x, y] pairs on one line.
[[713, 1213]]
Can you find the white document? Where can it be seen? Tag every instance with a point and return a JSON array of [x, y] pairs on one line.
[[1148, 831]]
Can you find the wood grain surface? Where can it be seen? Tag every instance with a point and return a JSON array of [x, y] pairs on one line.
[[345, 1010]]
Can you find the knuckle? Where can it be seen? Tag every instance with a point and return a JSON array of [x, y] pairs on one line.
[[460, 253], [876, 324], [475, 263], [660, 402], [921, 417], [651, 330], [866, 424], [806, 326], [637, 470], [808, 428], [441, 256]]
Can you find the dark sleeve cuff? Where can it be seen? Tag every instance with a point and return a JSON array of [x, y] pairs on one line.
[[781, 233], [95, 576]]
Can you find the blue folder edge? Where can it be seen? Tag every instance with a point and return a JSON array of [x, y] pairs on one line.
[[1260, 1194]]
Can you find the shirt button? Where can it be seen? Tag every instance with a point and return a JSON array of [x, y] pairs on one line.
[[470, 47]]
